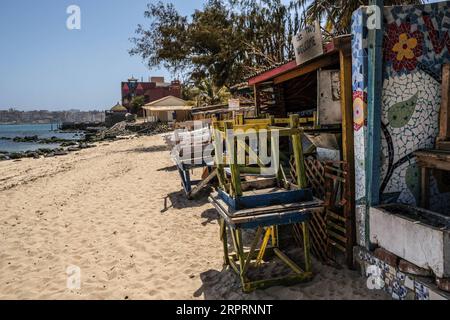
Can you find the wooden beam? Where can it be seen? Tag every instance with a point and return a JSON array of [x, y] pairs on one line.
[[272, 73], [444, 131], [298, 154], [256, 96], [348, 149], [315, 64]]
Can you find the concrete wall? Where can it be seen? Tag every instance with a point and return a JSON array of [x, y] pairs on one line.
[[418, 243]]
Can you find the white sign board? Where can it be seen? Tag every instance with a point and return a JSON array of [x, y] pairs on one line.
[[329, 97], [308, 43], [234, 104]]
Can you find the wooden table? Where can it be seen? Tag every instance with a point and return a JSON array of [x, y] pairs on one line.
[[429, 160], [266, 221]]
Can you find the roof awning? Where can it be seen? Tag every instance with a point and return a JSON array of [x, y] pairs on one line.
[[167, 108], [290, 70]]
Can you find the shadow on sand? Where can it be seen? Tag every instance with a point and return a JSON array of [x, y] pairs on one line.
[[219, 285], [168, 169], [210, 215], [178, 200]]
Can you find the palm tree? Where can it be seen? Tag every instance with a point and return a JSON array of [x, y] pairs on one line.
[[337, 14], [209, 94]]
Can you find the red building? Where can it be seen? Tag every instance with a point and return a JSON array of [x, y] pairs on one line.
[[153, 90]]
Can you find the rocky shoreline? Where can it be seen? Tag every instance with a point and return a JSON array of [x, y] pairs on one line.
[[45, 152], [90, 136]]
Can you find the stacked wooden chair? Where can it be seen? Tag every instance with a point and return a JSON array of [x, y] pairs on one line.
[[249, 199]]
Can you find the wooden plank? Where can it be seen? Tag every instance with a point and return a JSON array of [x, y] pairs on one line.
[[258, 184], [433, 159], [203, 184], [272, 209], [264, 244], [315, 64], [348, 152], [218, 154], [443, 145], [306, 246], [298, 153], [272, 73], [224, 238], [444, 131], [267, 199], [252, 250], [235, 174], [288, 261], [337, 236]]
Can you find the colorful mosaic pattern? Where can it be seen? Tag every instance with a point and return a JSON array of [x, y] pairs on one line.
[[359, 83], [416, 45], [398, 285]]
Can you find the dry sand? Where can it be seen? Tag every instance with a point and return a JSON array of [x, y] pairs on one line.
[[118, 213]]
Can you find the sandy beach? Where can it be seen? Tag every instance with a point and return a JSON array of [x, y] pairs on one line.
[[118, 213]]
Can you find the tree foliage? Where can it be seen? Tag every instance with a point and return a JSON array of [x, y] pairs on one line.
[[137, 103], [336, 15], [227, 40]]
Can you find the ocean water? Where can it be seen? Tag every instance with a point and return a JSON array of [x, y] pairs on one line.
[[43, 131]]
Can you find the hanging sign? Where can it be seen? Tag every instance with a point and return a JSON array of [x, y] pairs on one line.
[[308, 43], [234, 104]]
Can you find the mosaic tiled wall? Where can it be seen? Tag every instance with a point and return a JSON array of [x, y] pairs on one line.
[[399, 285], [416, 44], [359, 82]]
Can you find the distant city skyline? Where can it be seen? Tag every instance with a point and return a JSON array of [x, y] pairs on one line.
[[46, 66]]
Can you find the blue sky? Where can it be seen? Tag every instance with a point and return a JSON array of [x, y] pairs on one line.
[[43, 65]]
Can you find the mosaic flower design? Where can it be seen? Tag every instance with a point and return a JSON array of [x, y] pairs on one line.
[[402, 47], [359, 110]]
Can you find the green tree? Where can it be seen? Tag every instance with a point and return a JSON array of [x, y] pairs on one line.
[[223, 42], [336, 15], [136, 104], [228, 40], [205, 93]]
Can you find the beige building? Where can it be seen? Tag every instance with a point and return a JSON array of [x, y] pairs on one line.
[[167, 109]]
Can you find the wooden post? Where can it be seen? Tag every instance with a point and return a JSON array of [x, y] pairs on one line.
[[444, 132], [256, 97], [298, 153], [306, 246], [218, 146], [348, 150], [224, 238], [232, 156]]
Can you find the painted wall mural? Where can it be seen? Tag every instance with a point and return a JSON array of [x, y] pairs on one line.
[[416, 45]]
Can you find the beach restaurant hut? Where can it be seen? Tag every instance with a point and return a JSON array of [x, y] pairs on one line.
[[318, 88], [167, 109], [118, 108], [115, 115]]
